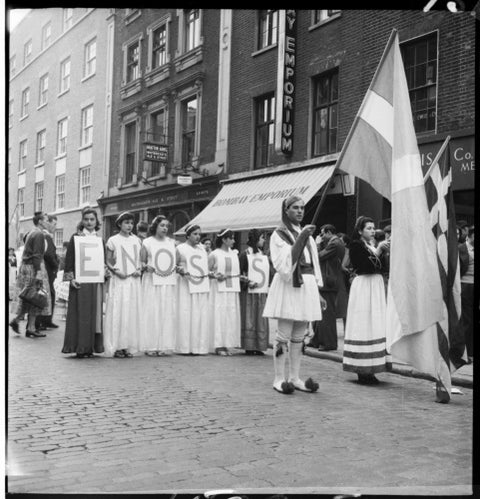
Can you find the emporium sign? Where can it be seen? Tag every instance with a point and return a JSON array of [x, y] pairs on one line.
[[286, 81]]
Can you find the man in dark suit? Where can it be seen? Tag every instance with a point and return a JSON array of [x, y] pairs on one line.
[[466, 257], [51, 264], [331, 253]]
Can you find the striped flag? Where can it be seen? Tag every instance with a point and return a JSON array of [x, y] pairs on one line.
[[442, 221], [382, 149]]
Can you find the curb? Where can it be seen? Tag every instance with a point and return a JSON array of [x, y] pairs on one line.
[[396, 368]]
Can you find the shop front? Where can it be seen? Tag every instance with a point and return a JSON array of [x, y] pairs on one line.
[[178, 203]]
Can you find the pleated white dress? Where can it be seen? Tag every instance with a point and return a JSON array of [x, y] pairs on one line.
[[124, 299], [224, 306], [192, 333], [159, 302], [283, 300]]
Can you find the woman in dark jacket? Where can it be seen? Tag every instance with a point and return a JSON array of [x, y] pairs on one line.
[[365, 343]]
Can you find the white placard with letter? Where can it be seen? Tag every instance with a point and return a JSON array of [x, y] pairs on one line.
[[258, 272], [163, 259], [228, 265], [89, 259], [197, 267]]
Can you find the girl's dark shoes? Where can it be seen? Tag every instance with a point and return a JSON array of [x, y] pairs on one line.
[[35, 334], [14, 325]]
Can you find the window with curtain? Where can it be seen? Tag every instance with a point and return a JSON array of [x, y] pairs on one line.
[[264, 130]]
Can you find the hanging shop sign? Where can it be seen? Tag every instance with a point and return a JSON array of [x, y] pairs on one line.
[[286, 81], [155, 152]]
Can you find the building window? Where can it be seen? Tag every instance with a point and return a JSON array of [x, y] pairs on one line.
[[131, 15], [22, 159], [65, 75], [21, 201], [420, 60], [325, 114], [39, 196], [27, 52], [13, 66], [267, 28], [58, 238], [159, 46], [41, 142], [46, 35], [189, 109], [90, 58], [264, 130], [130, 151], [86, 138], [85, 185], [133, 61], [60, 192], [322, 15], [10, 113], [62, 132], [43, 90], [25, 102], [192, 29], [67, 19], [157, 133]]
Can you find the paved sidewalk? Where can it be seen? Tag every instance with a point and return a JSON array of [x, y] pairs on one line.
[[462, 377]]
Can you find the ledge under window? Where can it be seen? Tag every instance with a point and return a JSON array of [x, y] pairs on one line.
[[131, 88], [325, 21], [157, 74], [38, 165], [42, 105], [86, 146], [21, 172], [265, 49], [189, 58], [85, 78], [60, 156], [23, 117], [63, 92]]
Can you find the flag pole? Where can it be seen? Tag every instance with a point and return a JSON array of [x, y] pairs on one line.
[[437, 157], [354, 125]]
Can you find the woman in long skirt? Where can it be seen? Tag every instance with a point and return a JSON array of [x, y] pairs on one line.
[[124, 300], [159, 308], [84, 326], [364, 350], [254, 327], [32, 272], [293, 298], [192, 298], [224, 306]]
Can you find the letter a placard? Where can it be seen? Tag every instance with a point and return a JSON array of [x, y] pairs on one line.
[[258, 271], [89, 259]]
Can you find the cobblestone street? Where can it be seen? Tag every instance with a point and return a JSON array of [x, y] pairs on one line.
[[190, 424]]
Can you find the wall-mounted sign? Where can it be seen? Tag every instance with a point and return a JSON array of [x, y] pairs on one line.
[[155, 152], [287, 40], [184, 180]]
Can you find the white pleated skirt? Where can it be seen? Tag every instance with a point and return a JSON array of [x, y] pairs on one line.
[[297, 304], [159, 312], [224, 318], [364, 350], [192, 326], [123, 315]]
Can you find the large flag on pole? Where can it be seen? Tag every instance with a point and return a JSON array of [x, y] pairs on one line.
[[381, 148]]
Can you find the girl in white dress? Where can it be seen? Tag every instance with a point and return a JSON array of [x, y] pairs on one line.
[[159, 310], [123, 307], [224, 307], [192, 334], [293, 298]]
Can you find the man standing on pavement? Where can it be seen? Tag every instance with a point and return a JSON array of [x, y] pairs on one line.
[[50, 257], [466, 257], [331, 253]]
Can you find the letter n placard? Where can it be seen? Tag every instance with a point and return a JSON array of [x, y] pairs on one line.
[[89, 259]]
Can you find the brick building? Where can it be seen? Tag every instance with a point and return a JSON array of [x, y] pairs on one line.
[[331, 64], [170, 111], [58, 116]]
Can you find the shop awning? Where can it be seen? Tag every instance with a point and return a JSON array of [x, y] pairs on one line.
[[256, 202]]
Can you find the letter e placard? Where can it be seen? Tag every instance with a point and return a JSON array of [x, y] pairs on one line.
[[89, 259]]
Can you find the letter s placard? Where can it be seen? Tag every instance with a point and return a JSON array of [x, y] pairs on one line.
[[89, 259], [258, 271]]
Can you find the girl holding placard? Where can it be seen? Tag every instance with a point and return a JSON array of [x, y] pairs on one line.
[[255, 268], [192, 295], [159, 310], [124, 301], [224, 306], [84, 326]]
